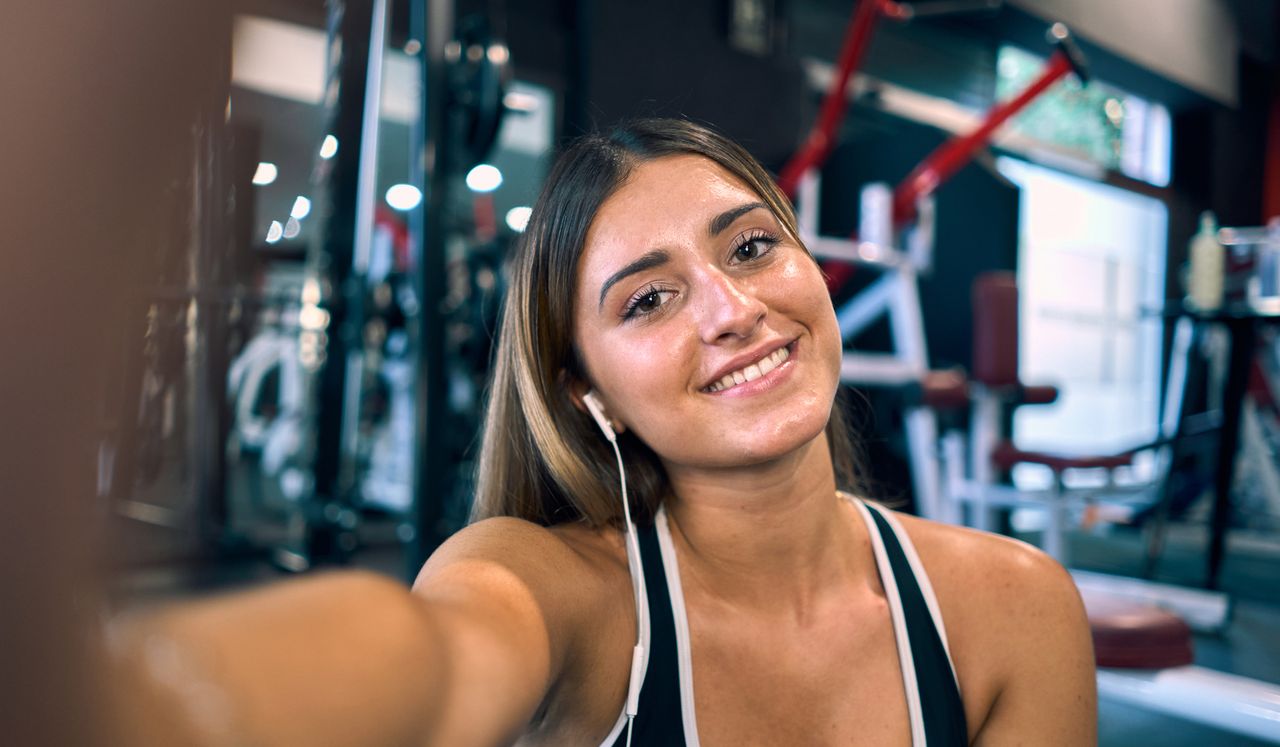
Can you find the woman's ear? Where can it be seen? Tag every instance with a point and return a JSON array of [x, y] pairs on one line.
[[577, 390]]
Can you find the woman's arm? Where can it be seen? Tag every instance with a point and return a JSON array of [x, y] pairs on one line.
[[347, 658], [1048, 694], [515, 602], [357, 659]]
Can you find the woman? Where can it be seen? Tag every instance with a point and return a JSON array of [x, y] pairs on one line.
[[661, 275]]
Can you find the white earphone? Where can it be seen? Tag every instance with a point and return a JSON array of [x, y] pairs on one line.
[[592, 401]]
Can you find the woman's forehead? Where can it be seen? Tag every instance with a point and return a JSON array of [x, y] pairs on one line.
[[681, 180], [664, 200]]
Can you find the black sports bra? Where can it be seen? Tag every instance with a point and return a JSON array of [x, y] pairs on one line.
[[666, 713]]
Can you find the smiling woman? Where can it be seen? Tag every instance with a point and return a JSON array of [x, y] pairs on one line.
[[542, 460], [661, 303]]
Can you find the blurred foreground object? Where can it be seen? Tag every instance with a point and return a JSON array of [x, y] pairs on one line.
[[104, 101], [100, 99]]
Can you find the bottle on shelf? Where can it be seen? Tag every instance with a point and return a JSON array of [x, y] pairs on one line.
[[1204, 284]]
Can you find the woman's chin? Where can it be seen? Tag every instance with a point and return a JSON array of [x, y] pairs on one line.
[[762, 450]]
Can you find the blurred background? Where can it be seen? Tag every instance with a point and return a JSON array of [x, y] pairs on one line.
[[257, 252]]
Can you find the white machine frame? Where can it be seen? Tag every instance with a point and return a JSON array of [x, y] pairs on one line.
[[976, 486], [895, 295]]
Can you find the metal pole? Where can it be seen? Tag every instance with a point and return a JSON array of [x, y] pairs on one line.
[[351, 22], [432, 22]]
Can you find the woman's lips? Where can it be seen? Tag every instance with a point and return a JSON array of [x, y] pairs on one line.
[[768, 373]]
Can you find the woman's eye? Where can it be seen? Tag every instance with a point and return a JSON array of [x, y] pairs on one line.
[[647, 302], [749, 250], [754, 248]]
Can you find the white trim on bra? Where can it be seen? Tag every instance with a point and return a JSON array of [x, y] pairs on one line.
[[922, 580], [683, 648], [906, 660]]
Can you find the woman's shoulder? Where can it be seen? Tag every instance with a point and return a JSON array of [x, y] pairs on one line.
[[574, 573], [1008, 607], [981, 561], [568, 555]]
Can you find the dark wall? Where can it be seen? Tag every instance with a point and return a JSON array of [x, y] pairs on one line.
[[977, 220], [673, 58]]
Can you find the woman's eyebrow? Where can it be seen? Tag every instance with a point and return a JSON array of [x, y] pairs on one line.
[[722, 221], [647, 261]]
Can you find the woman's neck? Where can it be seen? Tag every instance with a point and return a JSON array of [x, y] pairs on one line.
[[770, 536]]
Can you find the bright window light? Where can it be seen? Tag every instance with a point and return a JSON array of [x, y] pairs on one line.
[[1084, 285], [329, 148], [266, 173], [484, 178], [518, 218], [301, 208], [404, 197], [275, 232]]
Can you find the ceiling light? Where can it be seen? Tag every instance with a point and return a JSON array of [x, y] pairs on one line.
[[266, 173], [329, 148], [484, 178], [404, 197], [301, 208], [518, 218]]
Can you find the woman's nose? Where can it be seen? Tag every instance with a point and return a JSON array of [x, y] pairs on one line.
[[728, 308]]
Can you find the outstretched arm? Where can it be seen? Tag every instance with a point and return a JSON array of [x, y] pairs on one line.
[[356, 659], [345, 658]]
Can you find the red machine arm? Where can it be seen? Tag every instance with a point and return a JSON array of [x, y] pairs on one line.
[[821, 138], [952, 155]]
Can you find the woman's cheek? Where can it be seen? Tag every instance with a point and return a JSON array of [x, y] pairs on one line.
[[645, 371]]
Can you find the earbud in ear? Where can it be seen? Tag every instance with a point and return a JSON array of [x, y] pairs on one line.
[[597, 413]]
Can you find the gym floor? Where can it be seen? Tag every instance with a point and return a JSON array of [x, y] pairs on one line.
[[1250, 647]]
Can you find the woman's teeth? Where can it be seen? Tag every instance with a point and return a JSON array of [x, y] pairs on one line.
[[753, 371]]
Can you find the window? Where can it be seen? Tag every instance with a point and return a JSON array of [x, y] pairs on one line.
[[1096, 122], [1091, 270]]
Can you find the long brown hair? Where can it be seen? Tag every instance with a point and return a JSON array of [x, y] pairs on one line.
[[541, 458]]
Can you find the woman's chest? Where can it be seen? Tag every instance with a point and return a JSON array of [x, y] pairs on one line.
[[832, 680]]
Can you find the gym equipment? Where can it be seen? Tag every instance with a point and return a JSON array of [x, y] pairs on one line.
[[970, 464], [910, 197], [271, 428], [479, 72], [1144, 659], [1141, 630], [821, 140], [1256, 488], [903, 217], [949, 157]]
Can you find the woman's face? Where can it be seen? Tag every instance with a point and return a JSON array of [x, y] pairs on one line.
[[703, 327]]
